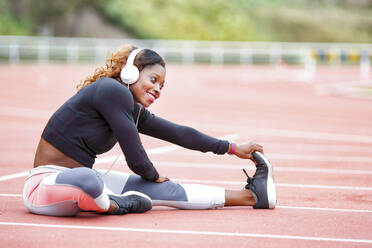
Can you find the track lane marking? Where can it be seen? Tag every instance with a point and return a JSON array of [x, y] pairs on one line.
[[326, 209], [24, 112], [318, 147], [278, 206], [252, 167], [15, 175], [270, 132], [158, 150], [10, 195], [39, 113], [286, 185], [326, 158], [189, 232], [300, 157]]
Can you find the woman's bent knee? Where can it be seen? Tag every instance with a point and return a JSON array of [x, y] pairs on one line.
[[65, 193], [84, 178]]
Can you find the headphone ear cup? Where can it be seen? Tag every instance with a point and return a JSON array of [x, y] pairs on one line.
[[129, 74]]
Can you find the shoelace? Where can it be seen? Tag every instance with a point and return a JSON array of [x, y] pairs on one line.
[[249, 180]]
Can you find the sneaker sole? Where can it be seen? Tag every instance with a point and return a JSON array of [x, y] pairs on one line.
[[270, 187]]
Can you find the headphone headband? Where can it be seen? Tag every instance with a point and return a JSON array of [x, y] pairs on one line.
[[132, 56]]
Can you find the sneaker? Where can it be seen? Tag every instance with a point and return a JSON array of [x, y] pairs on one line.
[[262, 184], [131, 202]]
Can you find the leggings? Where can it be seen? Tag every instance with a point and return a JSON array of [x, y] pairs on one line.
[[60, 191]]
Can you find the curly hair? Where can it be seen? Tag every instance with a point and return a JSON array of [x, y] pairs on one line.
[[117, 60]]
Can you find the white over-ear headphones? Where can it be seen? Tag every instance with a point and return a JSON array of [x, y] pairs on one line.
[[130, 73]]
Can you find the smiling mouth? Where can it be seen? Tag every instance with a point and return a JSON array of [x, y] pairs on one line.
[[152, 96]]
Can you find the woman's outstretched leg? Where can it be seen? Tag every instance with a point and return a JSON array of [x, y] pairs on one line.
[[259, 191], [169, 193], [182, 196]]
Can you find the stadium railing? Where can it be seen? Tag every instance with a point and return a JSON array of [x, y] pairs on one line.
[[40, 49]]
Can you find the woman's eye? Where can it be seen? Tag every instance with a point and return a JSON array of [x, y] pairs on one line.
[[153, 79]]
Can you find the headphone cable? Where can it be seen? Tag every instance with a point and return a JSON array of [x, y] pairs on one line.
[[117, 157]]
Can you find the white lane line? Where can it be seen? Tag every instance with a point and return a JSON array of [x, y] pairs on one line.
[[270, 132], [24, 112], [278, 206], [286, 185], [313, 135], [12, 176], [301, 157], [252, 167], [291, 185], [188, 232], [111, 159], [325, 158], [11, 195], [28, 112], [297, 146], [159, 150], [326, 209], [328, 171]]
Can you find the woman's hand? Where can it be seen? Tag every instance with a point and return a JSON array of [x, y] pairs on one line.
[[245, 150], [161, 179]]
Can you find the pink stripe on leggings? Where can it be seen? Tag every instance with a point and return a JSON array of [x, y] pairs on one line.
[[39, 194]]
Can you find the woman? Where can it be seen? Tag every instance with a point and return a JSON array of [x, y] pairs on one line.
[[110, 107]]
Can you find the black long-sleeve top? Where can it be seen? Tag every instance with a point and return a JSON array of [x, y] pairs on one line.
[[103, 113]]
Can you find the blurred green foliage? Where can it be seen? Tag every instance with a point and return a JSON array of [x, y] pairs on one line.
[[179, 19], [9, 24], [26, 17], [246, 20], [235, 20], [12, 26]]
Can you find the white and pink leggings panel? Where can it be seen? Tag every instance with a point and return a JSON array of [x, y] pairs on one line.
[[60, 191]]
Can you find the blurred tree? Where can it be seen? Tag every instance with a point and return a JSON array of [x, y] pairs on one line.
[[179, 19], [13, 24], [237, 20], [44, 14]]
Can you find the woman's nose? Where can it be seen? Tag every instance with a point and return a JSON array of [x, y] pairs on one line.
[[157, 87]]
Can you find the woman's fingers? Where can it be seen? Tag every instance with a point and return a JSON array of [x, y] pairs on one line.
[[246, 150], [162, 179], [258, 148]]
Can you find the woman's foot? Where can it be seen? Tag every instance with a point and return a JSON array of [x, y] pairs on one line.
[[262, 183], [129, 202]]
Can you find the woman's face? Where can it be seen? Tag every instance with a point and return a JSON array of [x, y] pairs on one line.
[[149, 85]]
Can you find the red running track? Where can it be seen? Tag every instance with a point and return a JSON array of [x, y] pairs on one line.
[[319, 143]]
